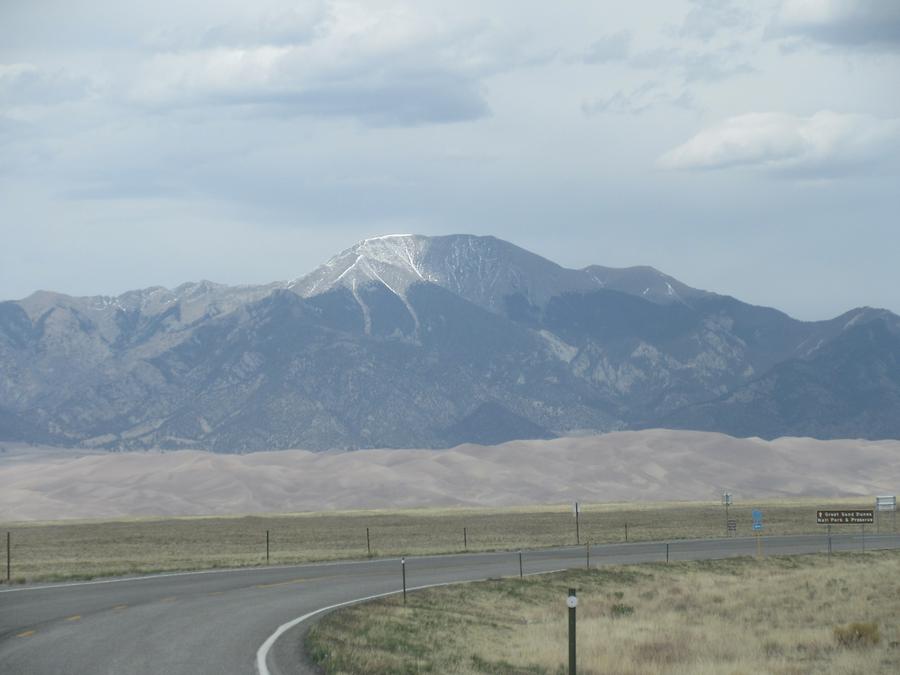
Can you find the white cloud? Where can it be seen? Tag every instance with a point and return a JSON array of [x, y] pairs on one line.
[[385, 66], [827, 142], [861, 23]]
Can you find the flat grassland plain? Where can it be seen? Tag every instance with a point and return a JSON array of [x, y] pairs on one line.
[[785, 615], [66, 550]]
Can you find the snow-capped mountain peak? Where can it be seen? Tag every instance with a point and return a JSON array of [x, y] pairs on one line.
[[483, 270]]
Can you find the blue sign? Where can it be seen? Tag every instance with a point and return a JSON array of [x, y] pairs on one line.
[[757, 520]]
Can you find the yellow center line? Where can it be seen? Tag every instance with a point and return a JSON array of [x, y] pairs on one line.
[[121, 607], [74, 618], [27, 633], [172, 599], [216, 593]]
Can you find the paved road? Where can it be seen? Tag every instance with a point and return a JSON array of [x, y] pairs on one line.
[[215, 622]]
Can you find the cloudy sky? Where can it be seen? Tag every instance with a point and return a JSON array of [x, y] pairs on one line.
[[750, 152]]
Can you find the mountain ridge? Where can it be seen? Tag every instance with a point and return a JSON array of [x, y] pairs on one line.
[[405, 341]]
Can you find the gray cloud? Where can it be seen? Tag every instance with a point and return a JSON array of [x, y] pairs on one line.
[[612, 47], [695, 65], [27, 84], [635, 101], [707, 18], [386, 68], [848, 23]]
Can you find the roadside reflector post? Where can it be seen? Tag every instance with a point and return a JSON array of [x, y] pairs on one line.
[[8, 561], [829, 543], [667, 552], [521, 570], [863, 538], [465, 540], [267, 547], [403, 572], [368, 544], [587, 550], [572, 603], [577, 530], [626, 533]]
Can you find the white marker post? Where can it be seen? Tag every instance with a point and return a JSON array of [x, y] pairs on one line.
[[572, 603]]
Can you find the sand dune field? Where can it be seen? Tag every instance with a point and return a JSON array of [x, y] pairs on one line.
[[653, 465]]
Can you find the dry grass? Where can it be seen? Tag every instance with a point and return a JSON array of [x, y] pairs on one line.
[[786, 616], [69, 550]]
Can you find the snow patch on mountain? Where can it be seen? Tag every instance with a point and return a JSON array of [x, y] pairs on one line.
[[483, 270]]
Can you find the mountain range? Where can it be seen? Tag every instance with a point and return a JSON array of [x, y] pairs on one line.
[[414, 341]]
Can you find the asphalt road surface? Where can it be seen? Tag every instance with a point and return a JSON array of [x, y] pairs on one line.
[[223, 622]]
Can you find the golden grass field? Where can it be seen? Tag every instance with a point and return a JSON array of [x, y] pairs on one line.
[[741, 616], [85, 549]]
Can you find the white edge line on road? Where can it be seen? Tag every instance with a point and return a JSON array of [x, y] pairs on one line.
[[263, 652], [324, 563], [163, 575]]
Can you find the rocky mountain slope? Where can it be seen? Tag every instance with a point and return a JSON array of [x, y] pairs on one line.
[[412, 341]]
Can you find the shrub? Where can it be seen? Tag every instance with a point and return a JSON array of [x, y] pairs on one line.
[[859, 634], [619, 610]]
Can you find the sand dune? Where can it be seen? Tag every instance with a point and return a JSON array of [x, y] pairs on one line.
[[649, 465]]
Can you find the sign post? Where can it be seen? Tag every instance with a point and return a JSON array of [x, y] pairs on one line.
[[861, 517], [887, 503], [757, 527], [572, 603], [726, 502]]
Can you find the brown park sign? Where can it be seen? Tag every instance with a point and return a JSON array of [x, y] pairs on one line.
[[846, 517]]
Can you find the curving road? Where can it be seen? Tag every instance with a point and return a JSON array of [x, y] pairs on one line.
[[223, 622]]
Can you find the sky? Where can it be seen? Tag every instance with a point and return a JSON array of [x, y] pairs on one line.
[[751, 149]]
